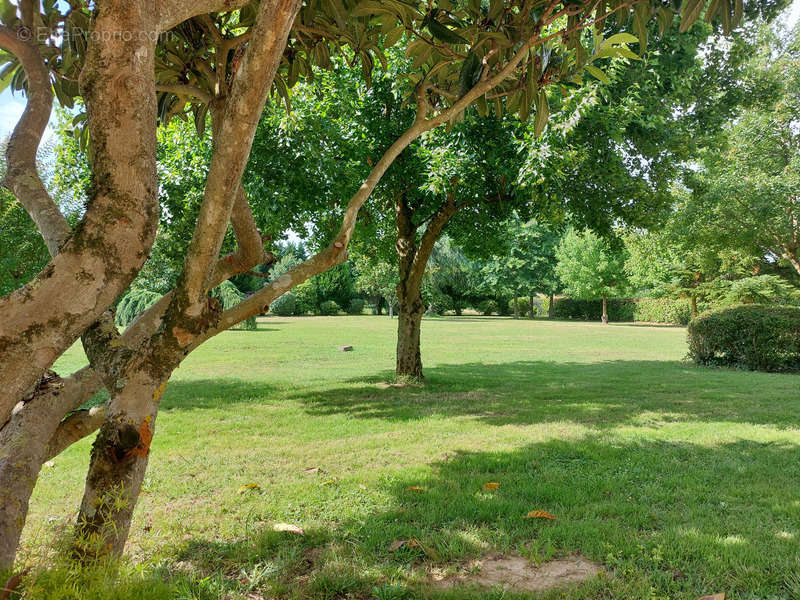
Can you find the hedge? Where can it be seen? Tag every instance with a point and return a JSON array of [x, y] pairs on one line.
[[592, 310], [356, 306], [749, 336], [329, 308]]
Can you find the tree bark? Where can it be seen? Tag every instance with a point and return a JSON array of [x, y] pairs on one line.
[[105, 252], [412, 262], [25, 446], [531, 309], [604, 318], [516, 307], [409, 324], [551, 311], [117, 467]]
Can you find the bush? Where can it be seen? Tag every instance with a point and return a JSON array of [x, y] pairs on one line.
[[524, 306], [592, 310], [329, 307], [305, 296], [752, 336], [356, 306], [284, 306], [663, 310], [487, 307]]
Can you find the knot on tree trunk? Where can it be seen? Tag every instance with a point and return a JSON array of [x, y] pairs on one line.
[[49, 383]]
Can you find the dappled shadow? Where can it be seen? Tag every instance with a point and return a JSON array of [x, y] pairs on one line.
[[213, 393], [599, 394], [670, 519]]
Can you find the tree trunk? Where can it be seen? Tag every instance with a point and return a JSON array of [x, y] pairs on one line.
[[694, 306], [25, 446], [117, 467], [516, 307], [531, 309], [409, 322], [551, 307], [604, 318]]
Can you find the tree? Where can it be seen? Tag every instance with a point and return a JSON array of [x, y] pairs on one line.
[[527, 265], [220, 65], [377, 280], [750, 189], [589, 268]]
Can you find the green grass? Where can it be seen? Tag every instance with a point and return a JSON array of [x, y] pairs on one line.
[[682, 481]]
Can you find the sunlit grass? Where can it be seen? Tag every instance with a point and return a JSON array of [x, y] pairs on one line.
[[682, 481]]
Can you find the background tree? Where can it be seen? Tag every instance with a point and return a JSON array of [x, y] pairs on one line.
[[750, 186], [527, 265], [589, 268]]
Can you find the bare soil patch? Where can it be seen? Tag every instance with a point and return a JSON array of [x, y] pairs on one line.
[[519, 574]]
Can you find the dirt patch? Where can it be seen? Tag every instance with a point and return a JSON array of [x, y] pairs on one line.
[[519, 574]]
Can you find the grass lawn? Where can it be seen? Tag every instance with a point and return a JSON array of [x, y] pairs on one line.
[[682, 481]]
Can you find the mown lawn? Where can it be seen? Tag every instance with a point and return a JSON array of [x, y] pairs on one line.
[[682, 481]]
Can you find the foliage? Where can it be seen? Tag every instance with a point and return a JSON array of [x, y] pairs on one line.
[[756, 337], [619, 309], [139, 298], [336, 284], [22, 250], [527, 264], [750, 185], [329, 308], [662, 310], [588, 267], [305, 298], [356, 306], [759, 289], [284, 305], [133, 303], [487, 307]]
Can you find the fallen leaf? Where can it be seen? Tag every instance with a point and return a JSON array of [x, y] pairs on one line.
[[289, 528], [397, 544], [310, 469], [50, 464], [248, 487], [714, 597], [490, 486], [414, 488], [540, 514]]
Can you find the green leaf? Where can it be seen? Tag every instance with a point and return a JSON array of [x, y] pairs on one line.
[[621, 38], [598, 74], [441, 32], [542, 113], [469, 74]]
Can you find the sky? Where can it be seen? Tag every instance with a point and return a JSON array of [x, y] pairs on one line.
[[11, 106]]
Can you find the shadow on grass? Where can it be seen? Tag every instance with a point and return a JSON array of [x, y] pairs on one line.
[[604, 394], [598, 394], [667, 520]]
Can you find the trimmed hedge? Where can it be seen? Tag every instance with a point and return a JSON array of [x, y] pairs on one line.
[[663, 310], [749, 336], [592, 310]]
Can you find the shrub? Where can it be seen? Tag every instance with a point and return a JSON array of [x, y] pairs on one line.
[[329, 307], [487, 307], [356, 306], [752, 336], [305, 296], [524, 306], [284, 305], [619, 309], [663, 310]]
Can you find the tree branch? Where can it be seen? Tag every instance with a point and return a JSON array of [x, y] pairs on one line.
[[22, 177], [75, 427]]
